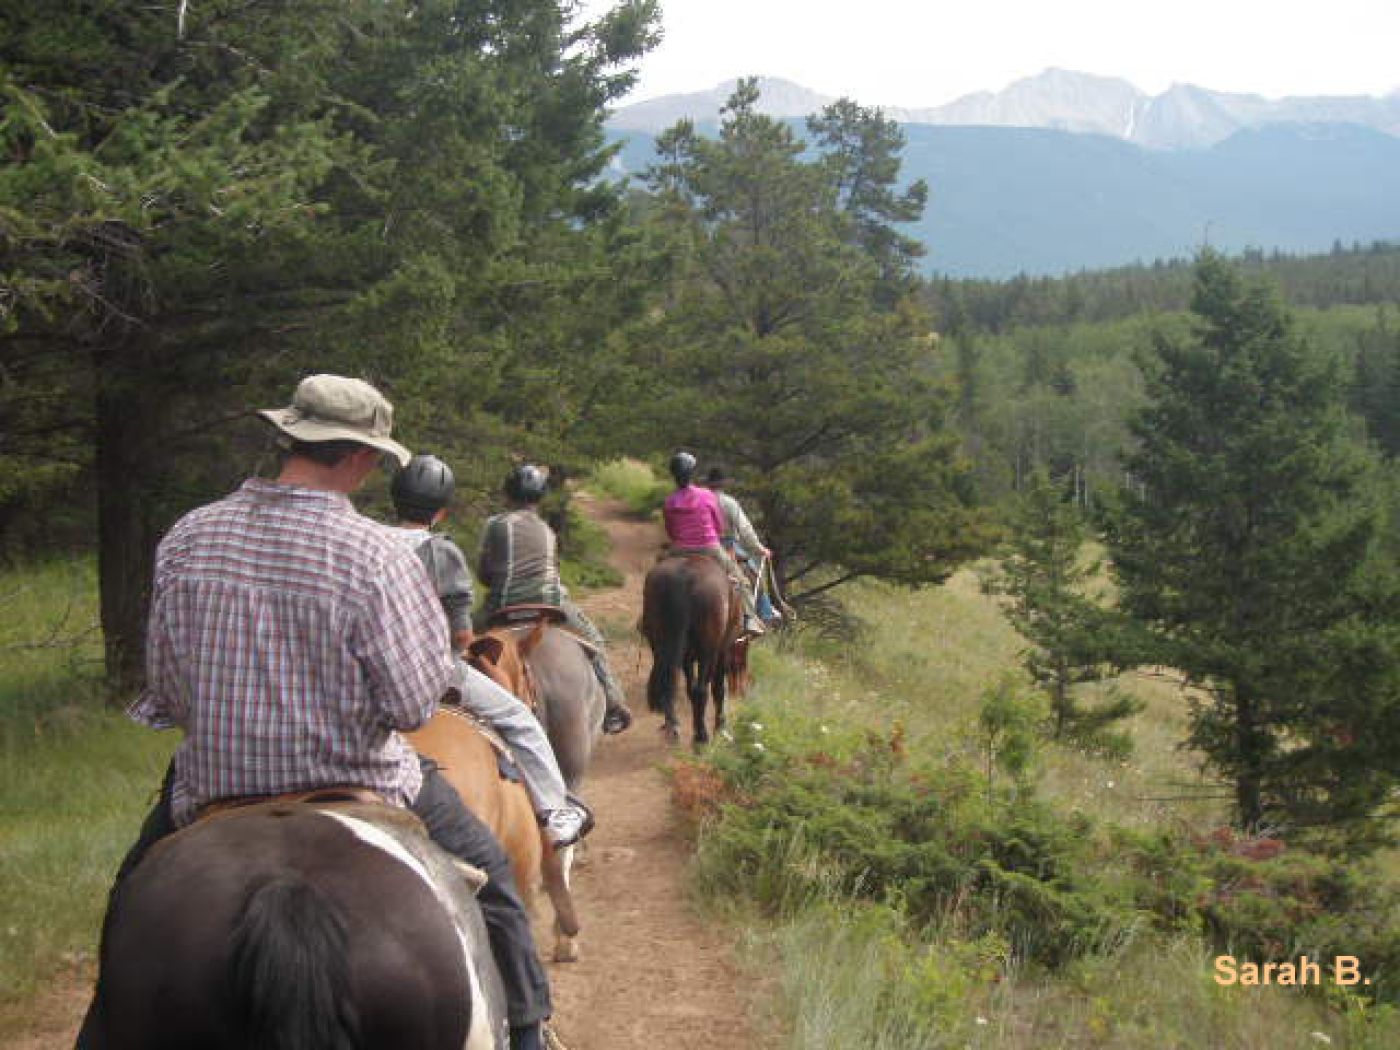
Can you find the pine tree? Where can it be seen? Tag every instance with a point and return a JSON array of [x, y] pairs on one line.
[[774, 354], [1243, 545], [1075, 640]]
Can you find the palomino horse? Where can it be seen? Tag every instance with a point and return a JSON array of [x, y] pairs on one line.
[[569, 701], [297, 925], [691, 618], [468, 761]]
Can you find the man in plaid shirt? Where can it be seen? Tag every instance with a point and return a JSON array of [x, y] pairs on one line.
[[293, 639]]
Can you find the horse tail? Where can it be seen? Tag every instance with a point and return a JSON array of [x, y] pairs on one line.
[[289, 969], [674, 599]]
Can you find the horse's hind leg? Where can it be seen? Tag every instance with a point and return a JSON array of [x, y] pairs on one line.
[[717, 694], [661, 697], [700, 736]]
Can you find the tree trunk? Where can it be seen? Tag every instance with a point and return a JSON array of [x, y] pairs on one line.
[[126, 417], [1249, 773]]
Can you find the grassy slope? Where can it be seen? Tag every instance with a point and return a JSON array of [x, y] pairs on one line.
[[923, 660]]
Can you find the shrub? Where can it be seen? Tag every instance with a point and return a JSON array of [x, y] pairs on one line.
[[795, 818], [633, 483]]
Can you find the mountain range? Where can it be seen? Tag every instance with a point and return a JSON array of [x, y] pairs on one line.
[[1067, 171], [1182, 117]]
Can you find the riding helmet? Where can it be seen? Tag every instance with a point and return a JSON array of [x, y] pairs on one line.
[[526, 484], [422, 488], [683, 467]]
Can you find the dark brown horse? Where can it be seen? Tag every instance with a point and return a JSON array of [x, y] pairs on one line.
[[296, 925], [691, 618]]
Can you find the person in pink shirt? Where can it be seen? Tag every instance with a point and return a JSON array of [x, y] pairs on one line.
[[695, 525]]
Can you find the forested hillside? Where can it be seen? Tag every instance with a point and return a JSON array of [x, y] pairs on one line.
[[1037, 201]]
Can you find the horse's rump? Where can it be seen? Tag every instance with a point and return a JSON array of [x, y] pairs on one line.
[[282, 925]]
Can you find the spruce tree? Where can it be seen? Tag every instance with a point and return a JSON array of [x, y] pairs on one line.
[[1242, 543], [1074, 639], [775, 354]]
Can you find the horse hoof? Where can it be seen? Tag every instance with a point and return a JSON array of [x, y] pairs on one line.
[[566, 951]]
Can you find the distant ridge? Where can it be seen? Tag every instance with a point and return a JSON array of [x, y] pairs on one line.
[[1007, 200], [1183, 117]]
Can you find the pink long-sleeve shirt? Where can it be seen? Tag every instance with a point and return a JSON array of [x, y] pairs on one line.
[[693, 517]]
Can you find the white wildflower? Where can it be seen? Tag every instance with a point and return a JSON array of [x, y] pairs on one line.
[[982, 1020], [758, 745], [1108, 784], [1322, 1037], [757, 727]]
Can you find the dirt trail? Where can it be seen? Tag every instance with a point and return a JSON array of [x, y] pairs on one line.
[[652, 973]]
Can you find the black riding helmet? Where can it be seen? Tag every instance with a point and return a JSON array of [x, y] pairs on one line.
[[422, 488], [683, 467], [526, 484]]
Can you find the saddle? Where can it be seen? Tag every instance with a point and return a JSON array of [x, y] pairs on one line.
[[514, 615], [511, 616]]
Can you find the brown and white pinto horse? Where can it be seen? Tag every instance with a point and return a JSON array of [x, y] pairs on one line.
[[296, 926], [691, 618], [468, 760]]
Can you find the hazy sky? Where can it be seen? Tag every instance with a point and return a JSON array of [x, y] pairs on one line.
[[927, 52]]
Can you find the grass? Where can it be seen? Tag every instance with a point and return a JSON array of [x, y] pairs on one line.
[[925, 657], [849, 973], [583, 555], [75, 778], [846, 979], [632, 482]]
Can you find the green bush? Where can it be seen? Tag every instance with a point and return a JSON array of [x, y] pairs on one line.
[[583, 554], [632, 482], [810, 817]]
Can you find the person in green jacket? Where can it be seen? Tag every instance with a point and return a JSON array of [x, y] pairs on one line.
[[519, 565]]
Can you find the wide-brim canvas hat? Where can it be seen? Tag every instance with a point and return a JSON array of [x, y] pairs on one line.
[[337, 408]]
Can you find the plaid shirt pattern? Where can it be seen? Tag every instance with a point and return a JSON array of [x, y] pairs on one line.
[[291, 639]]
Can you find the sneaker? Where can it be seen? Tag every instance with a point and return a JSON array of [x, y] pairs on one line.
[[566, 826], [616, 719]]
